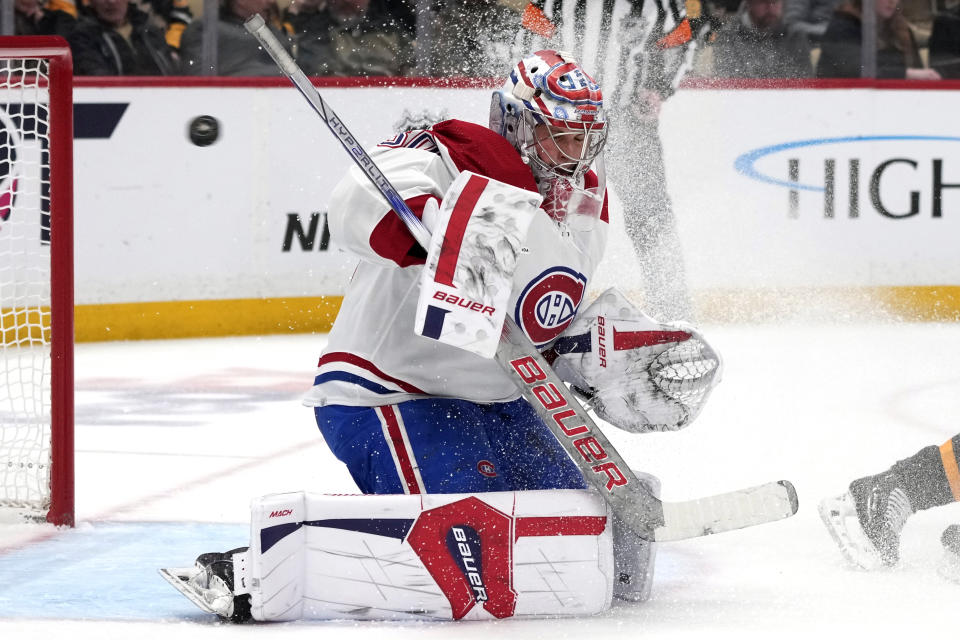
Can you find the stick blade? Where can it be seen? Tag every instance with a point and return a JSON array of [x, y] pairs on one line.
[[728, 511]]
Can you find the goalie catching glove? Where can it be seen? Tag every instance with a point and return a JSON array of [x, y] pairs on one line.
[[634, 372]]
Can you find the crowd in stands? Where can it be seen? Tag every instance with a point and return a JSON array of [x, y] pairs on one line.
[[163, 37], [916, 39]]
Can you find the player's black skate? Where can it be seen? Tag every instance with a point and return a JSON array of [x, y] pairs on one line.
[[883, 509], [950, 567], [867, 520], [210, 585], [951, 539]]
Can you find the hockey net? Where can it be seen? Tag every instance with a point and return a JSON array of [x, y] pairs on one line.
[[36, 280]]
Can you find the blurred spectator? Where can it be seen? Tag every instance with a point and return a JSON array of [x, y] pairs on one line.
[[32, 18], [311, 25], [473, 38], [897, 53], [67, 6], [707, 18], [755, 44], [172, 16], [238, 52], [945, 42], [919, 13], [117, 38], [808, 17], [371, 37]]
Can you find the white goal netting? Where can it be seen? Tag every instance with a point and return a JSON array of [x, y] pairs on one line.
[[25, 286]]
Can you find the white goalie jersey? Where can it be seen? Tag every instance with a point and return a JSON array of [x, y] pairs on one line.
[[375, 356]]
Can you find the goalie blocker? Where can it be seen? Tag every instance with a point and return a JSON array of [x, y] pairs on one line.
[[447, 557]]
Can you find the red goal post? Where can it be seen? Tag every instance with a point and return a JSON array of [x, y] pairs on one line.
[[36, 280]]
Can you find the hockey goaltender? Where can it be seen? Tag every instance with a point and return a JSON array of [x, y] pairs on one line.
[[490, 492]]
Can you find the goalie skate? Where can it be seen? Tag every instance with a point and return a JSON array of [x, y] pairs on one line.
[[183, 580], [839, 514], [209, 585]]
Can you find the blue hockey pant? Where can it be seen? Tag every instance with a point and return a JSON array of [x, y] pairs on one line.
[[438, 445]]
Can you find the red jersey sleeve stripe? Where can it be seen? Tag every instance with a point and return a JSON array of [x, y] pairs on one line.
[[390, 239]]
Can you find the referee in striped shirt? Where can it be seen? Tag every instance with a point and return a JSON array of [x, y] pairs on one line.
[[638, 50]]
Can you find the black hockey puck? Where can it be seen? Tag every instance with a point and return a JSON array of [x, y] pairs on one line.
[[204, 130]]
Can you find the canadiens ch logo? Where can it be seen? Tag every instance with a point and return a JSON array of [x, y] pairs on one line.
[[486, 468], [548, 304]]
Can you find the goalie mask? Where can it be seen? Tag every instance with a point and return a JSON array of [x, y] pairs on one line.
[[551, 111]]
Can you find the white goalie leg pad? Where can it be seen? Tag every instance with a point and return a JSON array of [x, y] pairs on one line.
[[468, 276], [275, 580], [452, 556]]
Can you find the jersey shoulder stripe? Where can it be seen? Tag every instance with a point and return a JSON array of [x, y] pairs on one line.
[[416, 139]]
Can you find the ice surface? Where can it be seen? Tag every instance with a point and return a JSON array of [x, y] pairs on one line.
[[175, 437]]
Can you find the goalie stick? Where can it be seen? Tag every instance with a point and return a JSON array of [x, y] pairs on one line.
[[601, 465]]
